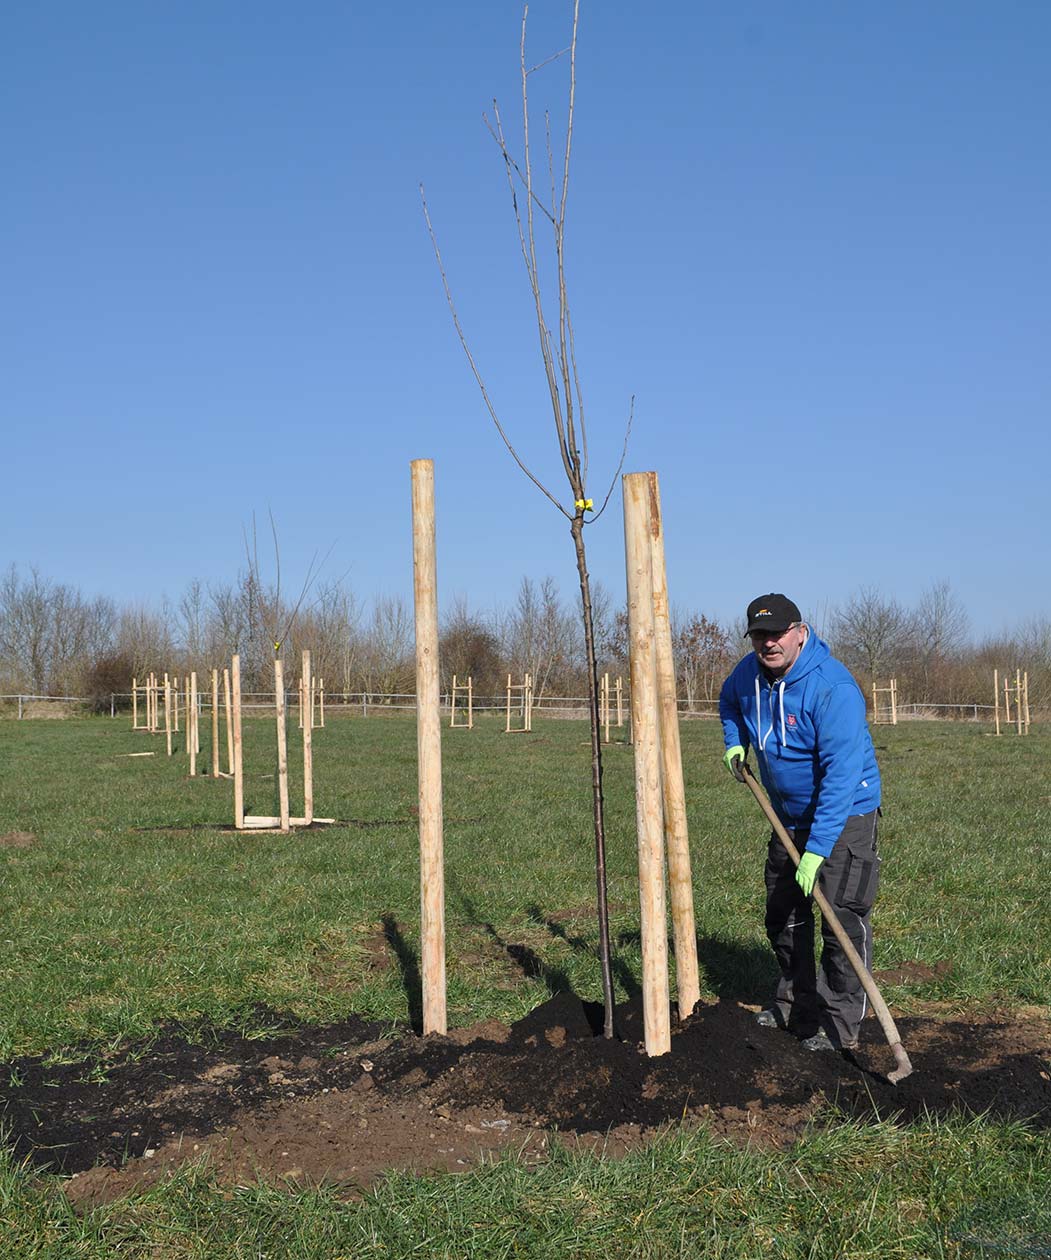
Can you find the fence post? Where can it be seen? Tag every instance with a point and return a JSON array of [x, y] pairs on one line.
[[112, 705], [20, 708]]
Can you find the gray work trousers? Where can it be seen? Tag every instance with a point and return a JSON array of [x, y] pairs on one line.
[[831, 997]]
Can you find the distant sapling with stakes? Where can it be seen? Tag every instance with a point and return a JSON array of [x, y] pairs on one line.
[[558, 356], [278, 626]]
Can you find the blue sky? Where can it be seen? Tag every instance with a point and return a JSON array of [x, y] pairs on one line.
[[810, 239]]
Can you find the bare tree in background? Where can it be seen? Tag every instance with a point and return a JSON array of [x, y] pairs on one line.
[[941, 627], [540, 635], [389, 663], [558, 357], [704, 656], [871, 633]]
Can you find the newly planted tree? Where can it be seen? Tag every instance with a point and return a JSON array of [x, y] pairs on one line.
[[540, 220]]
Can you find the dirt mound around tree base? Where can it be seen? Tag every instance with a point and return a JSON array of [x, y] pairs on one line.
[[341, 1104]]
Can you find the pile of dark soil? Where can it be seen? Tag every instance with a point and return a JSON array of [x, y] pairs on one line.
[[344, 1104]]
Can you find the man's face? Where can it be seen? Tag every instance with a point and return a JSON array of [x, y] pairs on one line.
[[778, 650]]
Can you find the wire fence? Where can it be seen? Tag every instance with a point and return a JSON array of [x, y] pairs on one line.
[[376, 704]]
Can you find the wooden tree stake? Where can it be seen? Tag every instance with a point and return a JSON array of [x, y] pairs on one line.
[[215, 724], [238, 744], [307, 682], [229, 724], [429, 748], [676, 832], [282, 744], [646, 730], [168, 714], [191, 722]]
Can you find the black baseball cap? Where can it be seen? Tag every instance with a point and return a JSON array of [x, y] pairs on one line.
[[772, 612]]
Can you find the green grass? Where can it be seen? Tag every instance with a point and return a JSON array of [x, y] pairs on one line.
[[133, 910], [937, 1190]]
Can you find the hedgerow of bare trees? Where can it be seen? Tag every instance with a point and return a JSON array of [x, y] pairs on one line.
[[55, 640]]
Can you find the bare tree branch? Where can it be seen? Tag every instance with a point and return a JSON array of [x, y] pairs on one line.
[[548, 60], [623, 456], [474, 367], [509, 159]]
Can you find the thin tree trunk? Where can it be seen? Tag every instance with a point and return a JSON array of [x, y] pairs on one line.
[[577, 530]]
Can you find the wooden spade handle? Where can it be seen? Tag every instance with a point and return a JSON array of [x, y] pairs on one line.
[[890, 1029]]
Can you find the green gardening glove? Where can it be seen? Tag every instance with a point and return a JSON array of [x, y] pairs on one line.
[[806, 872], [731, 758]]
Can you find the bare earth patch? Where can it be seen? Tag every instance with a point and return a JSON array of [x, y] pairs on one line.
[[341, 1104], [17, 840]]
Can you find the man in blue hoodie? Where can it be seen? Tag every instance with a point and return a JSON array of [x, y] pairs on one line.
[[804, 715]]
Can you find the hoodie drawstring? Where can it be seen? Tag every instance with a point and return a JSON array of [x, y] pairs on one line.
[[780, 692]]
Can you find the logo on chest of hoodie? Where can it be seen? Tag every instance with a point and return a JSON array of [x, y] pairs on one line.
[[790, 718]]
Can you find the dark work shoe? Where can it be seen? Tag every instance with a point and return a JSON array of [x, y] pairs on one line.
[[822, 1041], [771, 1018], [819, 1041]]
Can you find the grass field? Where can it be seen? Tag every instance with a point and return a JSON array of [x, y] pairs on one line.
[[133, 909]]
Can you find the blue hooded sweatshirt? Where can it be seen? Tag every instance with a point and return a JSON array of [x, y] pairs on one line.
[[811, 739]]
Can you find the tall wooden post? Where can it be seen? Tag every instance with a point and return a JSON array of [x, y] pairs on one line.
[[237, 768], [175, 700], [1018, 700], [996, 699], [894, 702], [1007, 702], [620, 701], [215, 724], [429, 748], [508, 726], [308, 746], [676, 832], [470, 703], [321, 701], [282, 743], [646, 729], [168, 714], [191, 722], [1025, 699], [134, 704], [229, 724], [529, 702]]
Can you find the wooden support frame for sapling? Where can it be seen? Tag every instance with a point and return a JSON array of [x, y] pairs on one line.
[[465, 690], [888, 715], [524, 707], [284, 821]]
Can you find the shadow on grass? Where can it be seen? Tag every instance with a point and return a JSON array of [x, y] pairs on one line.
[[409, 966], [527, 960], [622, 973], [743, 972], [728, 968]]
